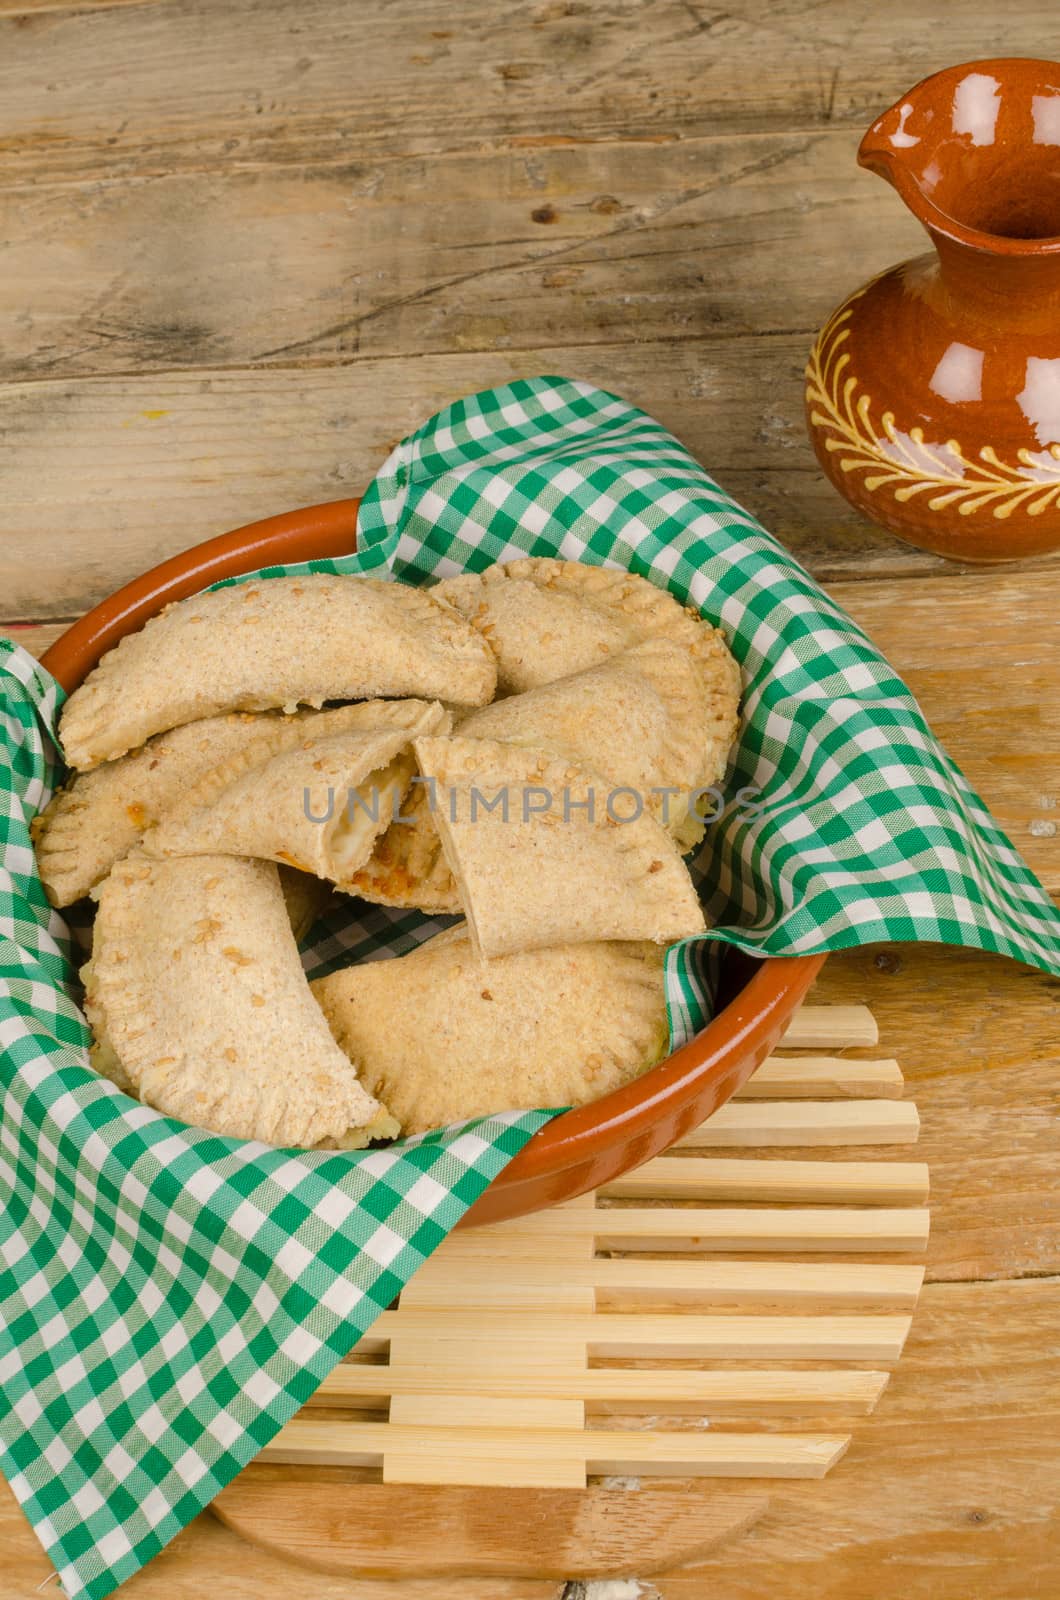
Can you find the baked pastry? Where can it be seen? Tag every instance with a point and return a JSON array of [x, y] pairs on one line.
[[647, 718], [318, 807], [440, 1035], [546, 619], [224, 810], [196, 991], [541, 856], [279, 642], [95, 818]]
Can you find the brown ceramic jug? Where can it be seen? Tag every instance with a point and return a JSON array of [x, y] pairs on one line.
[[933, 393]]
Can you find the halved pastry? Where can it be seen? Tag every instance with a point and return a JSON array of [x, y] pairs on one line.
[[278, 642], [407, 867], [197, 994], [97, 816], [440, 1036], [318, 807], [545, 619], [644, 718], [545, 852]]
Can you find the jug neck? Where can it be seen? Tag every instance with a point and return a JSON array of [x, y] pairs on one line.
[[996, 286]]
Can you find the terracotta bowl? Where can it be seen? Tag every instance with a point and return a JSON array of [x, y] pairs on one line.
[[581, 1149]]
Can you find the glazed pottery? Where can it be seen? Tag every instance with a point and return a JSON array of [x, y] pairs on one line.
[[581, 1149], [933, 393]]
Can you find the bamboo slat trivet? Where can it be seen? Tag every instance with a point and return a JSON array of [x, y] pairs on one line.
[[494, 1370]]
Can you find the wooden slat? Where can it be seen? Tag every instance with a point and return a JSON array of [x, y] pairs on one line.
[[831, 1028], [444, 1279], [808, 1122], [695, 1228], [34, 636], [756, 1392], [823, 1078], [954, 1484], [534, 1334], [139, 467], [859, 1183], [308, 1441], [414, 1348]]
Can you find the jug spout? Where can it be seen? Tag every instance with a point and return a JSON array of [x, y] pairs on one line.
[[973, 151], [883, 147]]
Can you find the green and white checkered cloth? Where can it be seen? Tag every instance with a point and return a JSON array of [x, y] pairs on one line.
[[168, 1298]]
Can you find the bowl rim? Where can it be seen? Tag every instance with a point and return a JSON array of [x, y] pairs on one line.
[[732, 1042]]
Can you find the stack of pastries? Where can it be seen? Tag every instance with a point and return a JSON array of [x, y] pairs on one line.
[[522, 746]]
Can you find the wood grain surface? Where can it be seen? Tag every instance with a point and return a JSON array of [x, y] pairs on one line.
[[244, 248]]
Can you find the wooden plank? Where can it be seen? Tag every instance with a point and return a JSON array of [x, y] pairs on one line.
[[482, 1454], [137, 468], [822, 1077], [977, 1039], [530, 1283], [33, 636], [723, 1393], [953, 1481], [533, 1334], [209, 1556], [815, 1027], [1006, 746], [391, 1530], [857, 1183], [149, 90], [238, 268], [35, 8], [754, 1229], [807, 1122]]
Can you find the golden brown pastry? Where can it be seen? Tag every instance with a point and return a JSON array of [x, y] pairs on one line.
[[541, 857], [440, 1035], [278, 642], [198, 1000], [95, 818], [545, 619]]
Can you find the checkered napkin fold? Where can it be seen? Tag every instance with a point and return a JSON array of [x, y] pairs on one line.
[[168, 1297]]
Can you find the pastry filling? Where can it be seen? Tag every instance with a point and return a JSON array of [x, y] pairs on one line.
[[365, 812]]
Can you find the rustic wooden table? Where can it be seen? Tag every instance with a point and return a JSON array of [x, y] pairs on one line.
[[246, 246]]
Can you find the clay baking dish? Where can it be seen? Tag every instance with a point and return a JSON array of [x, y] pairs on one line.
[[583, 1148]]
